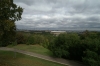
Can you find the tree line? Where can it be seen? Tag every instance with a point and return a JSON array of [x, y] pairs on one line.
[[83, 47]]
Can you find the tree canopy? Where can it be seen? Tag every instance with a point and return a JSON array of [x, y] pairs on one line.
[[9, 13]]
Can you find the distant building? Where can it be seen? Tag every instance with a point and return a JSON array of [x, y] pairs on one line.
[[57, 32]]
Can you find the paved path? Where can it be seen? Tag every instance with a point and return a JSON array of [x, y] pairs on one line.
[[57, 60]]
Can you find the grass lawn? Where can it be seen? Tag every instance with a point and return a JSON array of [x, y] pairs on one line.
[[7, 59], [33, 48]]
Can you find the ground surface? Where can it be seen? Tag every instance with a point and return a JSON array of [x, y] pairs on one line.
[[7, 58], [57, 60], [33, 48]]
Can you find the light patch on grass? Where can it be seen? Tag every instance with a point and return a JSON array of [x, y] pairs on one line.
[[33, 48]]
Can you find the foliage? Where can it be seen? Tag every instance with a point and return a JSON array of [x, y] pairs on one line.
[[91, 58], [9, 13], [21, 38], [59, 46], [32, 39], [82, 47]]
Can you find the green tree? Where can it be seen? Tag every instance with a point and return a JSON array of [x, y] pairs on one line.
[[9, 13], [91, 58]]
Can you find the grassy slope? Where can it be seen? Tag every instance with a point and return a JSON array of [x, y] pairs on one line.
[[33, 48], [7, 59]]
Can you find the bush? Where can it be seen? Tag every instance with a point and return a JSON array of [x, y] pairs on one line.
[[74, 46], [62, 43], [30, 40], [21, 38], [91, 58], [38, 39]]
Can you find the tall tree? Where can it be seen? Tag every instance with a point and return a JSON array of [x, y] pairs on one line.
[[9, 13]]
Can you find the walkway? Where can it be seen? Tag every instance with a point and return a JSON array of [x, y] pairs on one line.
[[57, 60]]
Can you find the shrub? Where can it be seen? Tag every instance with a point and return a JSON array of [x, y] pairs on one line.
[[21, 38], [30, 40], [73, 47], [62, 43], [91, 58]]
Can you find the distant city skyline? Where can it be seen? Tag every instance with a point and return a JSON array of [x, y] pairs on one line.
[[59, 14], [68, 29]]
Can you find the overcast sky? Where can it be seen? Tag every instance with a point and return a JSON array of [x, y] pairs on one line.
[[59, 14]]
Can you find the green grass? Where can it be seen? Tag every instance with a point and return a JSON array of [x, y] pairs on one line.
[[7, 59], [33, 48]]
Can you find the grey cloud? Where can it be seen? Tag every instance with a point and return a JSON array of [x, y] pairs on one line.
[[94, 19], [59, 13], [27, 2]]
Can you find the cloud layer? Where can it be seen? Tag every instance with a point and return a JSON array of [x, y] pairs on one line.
[[61, 14]]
